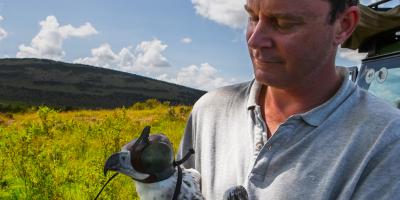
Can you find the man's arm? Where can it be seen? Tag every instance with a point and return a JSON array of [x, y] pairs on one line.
[[381, 177], [186, 144]]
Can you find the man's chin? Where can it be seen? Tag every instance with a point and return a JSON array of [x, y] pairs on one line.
[[271, 80], [262, 78]]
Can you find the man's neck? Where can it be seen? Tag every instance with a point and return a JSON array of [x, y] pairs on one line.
[[279, 104]]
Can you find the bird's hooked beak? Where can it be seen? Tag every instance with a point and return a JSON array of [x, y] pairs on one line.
[[121, 162]]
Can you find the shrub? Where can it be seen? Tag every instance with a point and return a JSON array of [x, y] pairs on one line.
[[60, 155]]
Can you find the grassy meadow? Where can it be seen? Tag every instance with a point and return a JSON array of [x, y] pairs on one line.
[[48, 154]]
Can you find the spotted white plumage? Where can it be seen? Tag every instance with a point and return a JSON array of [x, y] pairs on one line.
[[164, 190]]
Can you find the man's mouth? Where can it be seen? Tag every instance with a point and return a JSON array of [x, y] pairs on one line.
[[267, 61]]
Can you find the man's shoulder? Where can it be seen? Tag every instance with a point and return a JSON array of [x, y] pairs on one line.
[[376, 106], [377, 116], [223, 96]]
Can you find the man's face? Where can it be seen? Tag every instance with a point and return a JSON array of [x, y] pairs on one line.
[[289, 41]]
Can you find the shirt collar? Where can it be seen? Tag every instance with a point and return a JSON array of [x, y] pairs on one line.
[[318, 114], [255, 90]]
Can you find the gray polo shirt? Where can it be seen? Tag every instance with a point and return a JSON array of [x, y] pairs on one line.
[[346, 148]]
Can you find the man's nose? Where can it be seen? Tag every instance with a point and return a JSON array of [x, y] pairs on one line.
[[259, 36]]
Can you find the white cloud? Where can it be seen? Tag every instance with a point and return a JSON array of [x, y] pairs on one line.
[[102, 56], [226, 12], [351, 55], [3, 33], [48, 42], [186, 40], [149, 55], [204, 77], [146, 57]]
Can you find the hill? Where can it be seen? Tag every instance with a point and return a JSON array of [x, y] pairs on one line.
[[59, 84]]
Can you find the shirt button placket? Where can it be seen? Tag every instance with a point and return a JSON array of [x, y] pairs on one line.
[[259, 146], [258, 135]]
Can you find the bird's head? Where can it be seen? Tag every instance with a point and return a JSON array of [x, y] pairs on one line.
[[147, 159]]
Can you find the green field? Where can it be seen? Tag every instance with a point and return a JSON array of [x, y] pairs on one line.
[[47, 154]]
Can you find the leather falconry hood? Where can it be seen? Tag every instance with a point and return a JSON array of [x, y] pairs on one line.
[[151, 156]]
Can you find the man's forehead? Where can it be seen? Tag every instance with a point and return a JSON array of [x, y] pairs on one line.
[[305, 8]]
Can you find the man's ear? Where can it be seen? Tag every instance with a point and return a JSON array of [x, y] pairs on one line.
[[346, 23]]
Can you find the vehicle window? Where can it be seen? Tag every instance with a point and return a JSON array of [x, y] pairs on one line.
[[385, 83]]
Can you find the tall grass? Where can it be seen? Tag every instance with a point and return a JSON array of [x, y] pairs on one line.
[[60, 155]]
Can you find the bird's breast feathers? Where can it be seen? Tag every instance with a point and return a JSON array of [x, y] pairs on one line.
[[164, 190]]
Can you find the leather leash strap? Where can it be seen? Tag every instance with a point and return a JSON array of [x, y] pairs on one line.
[[178, 184], [112, 177], [179, 180]]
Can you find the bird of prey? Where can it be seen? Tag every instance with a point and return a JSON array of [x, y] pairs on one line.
[[149, 161]]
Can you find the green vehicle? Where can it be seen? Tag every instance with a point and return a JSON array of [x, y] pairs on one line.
[[378, 34]]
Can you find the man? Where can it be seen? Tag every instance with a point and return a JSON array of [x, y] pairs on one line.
[[301, 129]]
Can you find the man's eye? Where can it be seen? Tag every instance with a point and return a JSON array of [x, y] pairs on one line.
[[284, 25], [253, 18]]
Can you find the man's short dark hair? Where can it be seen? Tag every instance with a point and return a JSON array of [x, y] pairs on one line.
[[338, 6]]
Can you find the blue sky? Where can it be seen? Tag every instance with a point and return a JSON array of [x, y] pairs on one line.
[[197, 43]]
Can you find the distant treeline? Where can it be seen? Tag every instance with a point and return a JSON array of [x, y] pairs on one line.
[[19, 107]]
